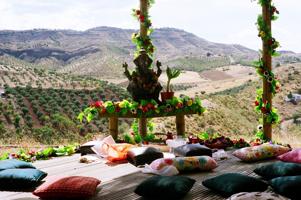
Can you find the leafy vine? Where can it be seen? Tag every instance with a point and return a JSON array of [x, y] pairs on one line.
[[140, 42]]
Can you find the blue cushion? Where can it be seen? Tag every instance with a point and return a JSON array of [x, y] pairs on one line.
[[13, 163], [20, 178], [288, 186], [165, 187]]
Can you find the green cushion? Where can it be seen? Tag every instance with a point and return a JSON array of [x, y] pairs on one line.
[[20, 178], [232, 183], [288, 186], [13, 163], [165, 187], [277, 169]]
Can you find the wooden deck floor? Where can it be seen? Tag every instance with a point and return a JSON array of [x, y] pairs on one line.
[[119, 181]]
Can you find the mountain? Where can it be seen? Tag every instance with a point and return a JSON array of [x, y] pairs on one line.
[[102, 50]]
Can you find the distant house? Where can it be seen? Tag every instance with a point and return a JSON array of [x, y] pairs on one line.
[[294, 98]]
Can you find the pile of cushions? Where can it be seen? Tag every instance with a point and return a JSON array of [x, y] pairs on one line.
[[284, 178], [173, 166], [261, 152], [19, 175]]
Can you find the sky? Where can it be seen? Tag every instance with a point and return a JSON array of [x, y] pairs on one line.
[[223, 21]]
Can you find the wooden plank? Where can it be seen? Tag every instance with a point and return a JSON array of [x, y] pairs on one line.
[[153, 115], [120, 181]]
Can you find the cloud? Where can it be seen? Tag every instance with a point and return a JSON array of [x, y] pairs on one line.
[[225, 21]]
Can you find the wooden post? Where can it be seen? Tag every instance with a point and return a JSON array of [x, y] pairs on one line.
[[180, 124], [113, 126], [143, 126], [267, 61], [144, 11]]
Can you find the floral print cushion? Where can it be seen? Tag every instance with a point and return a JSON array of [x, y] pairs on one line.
[[172, 166], [261, 152], [256, 196], [202, 163]]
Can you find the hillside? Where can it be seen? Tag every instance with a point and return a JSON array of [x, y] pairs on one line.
[[101, 51], [41, 106], [231, 112]]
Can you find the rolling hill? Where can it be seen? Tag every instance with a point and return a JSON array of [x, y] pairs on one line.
[[101, 51]]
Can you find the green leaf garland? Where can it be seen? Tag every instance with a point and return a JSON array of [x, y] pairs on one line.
[[147, 108], [143, 43]]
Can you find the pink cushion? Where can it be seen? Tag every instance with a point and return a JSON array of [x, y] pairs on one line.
[[74, 187], [292, 156]]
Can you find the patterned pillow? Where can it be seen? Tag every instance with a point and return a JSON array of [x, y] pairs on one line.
[[74, 187], [202, 163], [261, 152], [256, 196], [293, 156], [172, 166]]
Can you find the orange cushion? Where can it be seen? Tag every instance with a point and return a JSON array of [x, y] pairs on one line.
[[74, 187]]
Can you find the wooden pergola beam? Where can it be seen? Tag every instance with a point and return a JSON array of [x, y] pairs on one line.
[[144, 11], [267, 61]]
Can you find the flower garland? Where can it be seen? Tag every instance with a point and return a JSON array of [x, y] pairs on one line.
[[140, 42], [146, 108], [265, 33]]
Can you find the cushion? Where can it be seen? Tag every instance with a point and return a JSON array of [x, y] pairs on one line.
[[165, 187], [261, 152], [20, 178], [292, 156], [278, 169], [13, 163], [288, 186], [199, 163], [143, 155], [73, 187], [192, 150], [232, 183], [257, 196]]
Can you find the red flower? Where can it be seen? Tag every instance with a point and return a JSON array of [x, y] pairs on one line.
[[144, 109], [142, 18], [179, 105], [117, 108], [169, 161], [150, 106], [263, 109], [256, 103], [97, 104], [103, 110]]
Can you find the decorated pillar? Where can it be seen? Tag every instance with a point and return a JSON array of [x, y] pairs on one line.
[[271, 85], [143, 16]]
